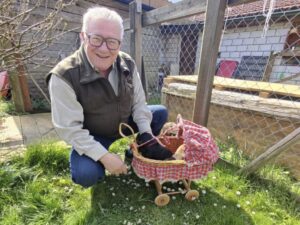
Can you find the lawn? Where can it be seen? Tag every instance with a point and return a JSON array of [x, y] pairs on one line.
[[36, 189]]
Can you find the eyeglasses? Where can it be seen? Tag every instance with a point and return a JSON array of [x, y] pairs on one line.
[[96, 40]]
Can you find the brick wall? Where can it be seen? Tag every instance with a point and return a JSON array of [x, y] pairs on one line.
[[248, 41]]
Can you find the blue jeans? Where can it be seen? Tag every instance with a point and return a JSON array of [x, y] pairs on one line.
[[86, 172]]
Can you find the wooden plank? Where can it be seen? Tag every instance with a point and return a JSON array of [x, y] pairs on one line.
[[175, 11], [247, 85], [239, 2], [240, 101], [208, 58], [264, 94], [271, 153], [17, 94], [71, 8], [136, 36], [135, 11], [290, 53], [269, 66], [288, 78], [23, 83], [178, 10]]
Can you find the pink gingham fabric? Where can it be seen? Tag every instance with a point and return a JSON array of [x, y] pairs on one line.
[[201, 153]]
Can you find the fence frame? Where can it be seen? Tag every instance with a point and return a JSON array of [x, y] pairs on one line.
[[215, 11]]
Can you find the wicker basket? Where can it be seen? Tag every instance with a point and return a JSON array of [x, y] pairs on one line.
[[174, 170]]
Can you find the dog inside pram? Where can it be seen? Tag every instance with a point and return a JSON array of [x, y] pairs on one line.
[[192, 155]]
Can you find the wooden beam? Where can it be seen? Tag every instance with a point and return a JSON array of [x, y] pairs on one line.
[[269, 66], [290, 53], [239, 2], [178, 10], [208, 58], [247, 85], [175, 11], [17, 95], [288, 78], [135, 11], [271, 153], [24, 86], [170, 12]]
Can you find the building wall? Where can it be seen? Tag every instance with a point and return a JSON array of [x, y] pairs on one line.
[[64, 45], [248, 41]]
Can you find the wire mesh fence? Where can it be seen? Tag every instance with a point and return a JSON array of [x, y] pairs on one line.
[[256, 94]]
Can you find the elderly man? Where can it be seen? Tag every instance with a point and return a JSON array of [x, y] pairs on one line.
[[92, 92]]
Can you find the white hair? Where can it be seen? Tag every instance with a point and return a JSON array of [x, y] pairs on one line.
[[101, 13]]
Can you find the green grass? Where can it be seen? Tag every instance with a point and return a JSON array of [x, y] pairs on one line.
[[7, 108], [37, 189]]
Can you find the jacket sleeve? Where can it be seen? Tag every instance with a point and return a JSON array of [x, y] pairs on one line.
[[67, 118], [141, 114]]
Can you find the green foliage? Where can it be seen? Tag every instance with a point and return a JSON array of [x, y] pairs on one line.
[[120, 145], [40, 105], [49, 156], [7, 108]]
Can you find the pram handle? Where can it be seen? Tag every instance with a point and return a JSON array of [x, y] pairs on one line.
[[129, 127]]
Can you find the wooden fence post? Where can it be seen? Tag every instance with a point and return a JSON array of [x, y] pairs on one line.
[[269, 67], [16, 91], [272, 152], [209, 52], [21, 70], [135, 11]]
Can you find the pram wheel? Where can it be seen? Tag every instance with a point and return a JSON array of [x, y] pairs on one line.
[[192, 195], [162, 200]]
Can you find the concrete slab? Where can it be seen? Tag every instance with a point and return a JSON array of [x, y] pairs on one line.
[[10, 131], [29, 129], [26, 129], [45, 126]]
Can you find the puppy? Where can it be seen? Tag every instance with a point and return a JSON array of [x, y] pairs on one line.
[[165, 130], [179, 154]]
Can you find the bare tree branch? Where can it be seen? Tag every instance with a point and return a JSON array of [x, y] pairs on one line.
[[27, 28]]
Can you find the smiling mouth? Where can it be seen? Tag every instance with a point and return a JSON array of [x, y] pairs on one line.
[[102, 57]]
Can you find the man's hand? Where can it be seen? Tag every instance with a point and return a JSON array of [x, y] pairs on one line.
[[114, 164]]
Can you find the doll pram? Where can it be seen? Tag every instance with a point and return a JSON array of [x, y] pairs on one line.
[[201, 153]]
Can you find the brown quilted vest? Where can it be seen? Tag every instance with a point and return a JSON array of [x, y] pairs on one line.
[[103, 110]]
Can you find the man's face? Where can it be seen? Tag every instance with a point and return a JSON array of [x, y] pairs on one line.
[[102, 57]]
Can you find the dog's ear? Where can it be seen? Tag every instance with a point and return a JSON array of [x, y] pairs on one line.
[[167, 126]]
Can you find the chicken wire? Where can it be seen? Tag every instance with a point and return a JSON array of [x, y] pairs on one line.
[[255, 100], [243, 108]]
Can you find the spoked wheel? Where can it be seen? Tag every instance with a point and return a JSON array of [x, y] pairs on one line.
[[192, 195], [162, 200]]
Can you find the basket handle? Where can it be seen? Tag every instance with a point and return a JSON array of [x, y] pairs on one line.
[[129, 127], [177, 127]]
